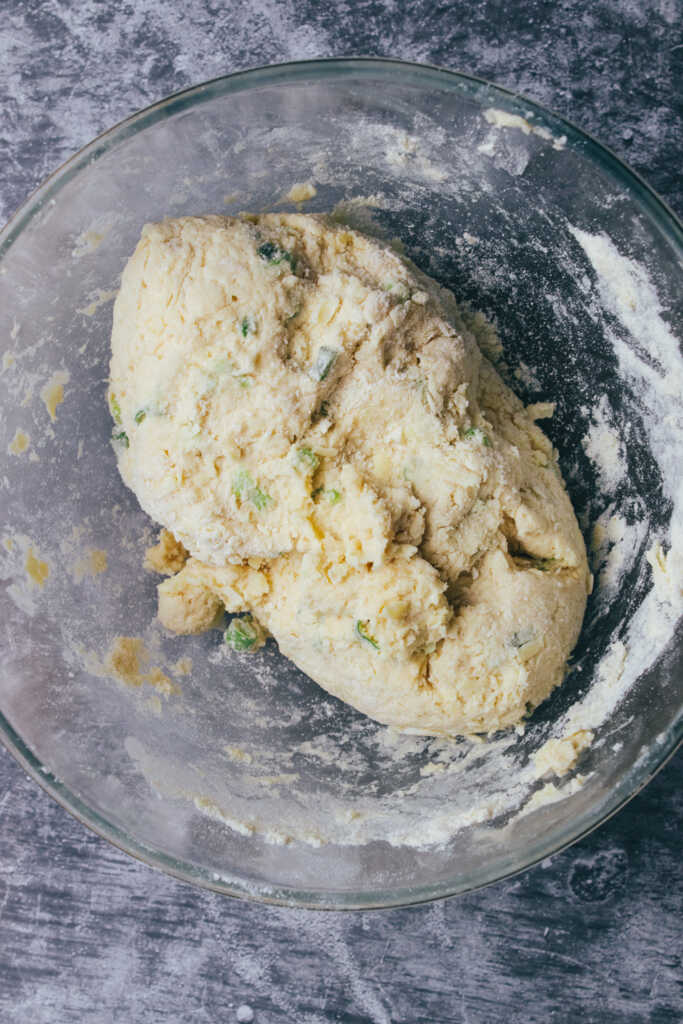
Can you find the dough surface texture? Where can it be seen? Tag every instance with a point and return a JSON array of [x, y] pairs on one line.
[[312, 420]]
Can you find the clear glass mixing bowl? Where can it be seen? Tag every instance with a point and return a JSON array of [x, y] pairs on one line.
[[245, 777]]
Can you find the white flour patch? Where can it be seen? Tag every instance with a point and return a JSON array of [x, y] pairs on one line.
[[614, 547], [667, 573], [604, 447], [651, 361]]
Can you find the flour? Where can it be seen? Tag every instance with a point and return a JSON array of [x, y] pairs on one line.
[[615, 544], [654, 361], [559, 756], [605, 693], [667, 573], [404, 150], [604, 447], [550, 793]]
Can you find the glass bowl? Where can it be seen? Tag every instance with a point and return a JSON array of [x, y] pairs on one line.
[[238, 773]]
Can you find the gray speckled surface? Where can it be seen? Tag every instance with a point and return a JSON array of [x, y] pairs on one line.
[[87, 934]]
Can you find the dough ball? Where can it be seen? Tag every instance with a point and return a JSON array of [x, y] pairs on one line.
[[312, 419]]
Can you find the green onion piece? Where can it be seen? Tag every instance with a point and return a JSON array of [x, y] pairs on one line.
[[243, 379], [274, 254], [260, 499], [242, 634], [140, 415], [332, 496], [307, 460], [241, 482], [115, 408], [248, 326], [244, 487], [323, 362], [544, 564], [361, 630], [121, 439], [475, 434]]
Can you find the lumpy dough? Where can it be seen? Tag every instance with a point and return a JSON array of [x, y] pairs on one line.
[[312, 420]]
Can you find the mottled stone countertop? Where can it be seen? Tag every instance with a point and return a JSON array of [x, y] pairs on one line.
[[89, 935]]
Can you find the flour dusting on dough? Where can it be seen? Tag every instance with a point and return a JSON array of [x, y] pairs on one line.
[[667, 573]]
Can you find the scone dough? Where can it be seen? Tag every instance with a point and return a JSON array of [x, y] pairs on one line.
[[310, 417]]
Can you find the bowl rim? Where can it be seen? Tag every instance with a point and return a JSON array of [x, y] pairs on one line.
[[663, 218]]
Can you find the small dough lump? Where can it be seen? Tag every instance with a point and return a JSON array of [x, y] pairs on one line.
[[311, 419]]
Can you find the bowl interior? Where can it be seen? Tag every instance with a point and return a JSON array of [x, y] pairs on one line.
[[240, 773]]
